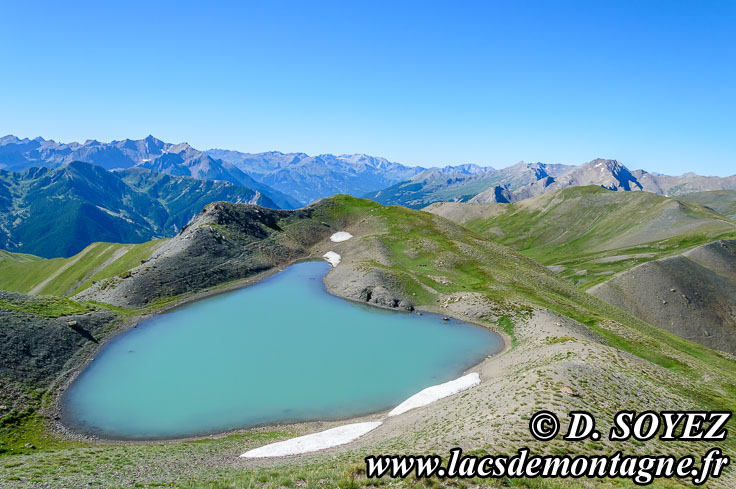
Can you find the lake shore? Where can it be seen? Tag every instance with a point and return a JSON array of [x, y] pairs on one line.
[[54, 412]]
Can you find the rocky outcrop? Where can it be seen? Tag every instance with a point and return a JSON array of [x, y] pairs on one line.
[[692, 295], [497, 194], [380, 296], [376, 287]]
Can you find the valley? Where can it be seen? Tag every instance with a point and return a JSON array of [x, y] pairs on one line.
[[691, 294], [586, 234]]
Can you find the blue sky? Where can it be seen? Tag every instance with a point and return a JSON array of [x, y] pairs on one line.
[[652, 84]]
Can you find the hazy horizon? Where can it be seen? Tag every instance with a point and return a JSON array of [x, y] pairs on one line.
[[649, 84], [489, 166]]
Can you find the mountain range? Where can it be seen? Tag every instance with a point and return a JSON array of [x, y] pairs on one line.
[[525, 180], [308, 178], [292, 180], [147, 188], [150, 153], [57, 212]]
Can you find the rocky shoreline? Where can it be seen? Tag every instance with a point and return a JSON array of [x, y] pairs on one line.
[[382, 298]]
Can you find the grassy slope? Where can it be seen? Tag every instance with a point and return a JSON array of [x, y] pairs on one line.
[[593, 232], [47, 306], [415, 245], [21, 273], [18, 257], [721, 201]]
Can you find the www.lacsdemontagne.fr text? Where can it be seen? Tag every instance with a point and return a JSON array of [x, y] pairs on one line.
[[641, 469]]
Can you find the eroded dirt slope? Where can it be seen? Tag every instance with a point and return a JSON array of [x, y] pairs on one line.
[[692, 295]]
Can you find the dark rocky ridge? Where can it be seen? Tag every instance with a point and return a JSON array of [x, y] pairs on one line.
[[224, 242], [692, 295]]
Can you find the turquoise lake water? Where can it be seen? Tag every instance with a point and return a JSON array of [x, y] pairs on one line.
[[279, 351]]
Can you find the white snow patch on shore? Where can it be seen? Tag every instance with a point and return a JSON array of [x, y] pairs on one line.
[[332, 257], [316, 441], [436, 392], [351, 432], [340, 236]]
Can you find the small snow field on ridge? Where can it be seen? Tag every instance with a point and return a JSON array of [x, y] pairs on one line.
[[340, 236]]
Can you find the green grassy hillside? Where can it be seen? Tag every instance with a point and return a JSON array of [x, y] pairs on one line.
[[68, 276], [589, 233]]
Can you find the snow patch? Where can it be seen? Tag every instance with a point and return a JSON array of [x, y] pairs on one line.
[[332, 257], [340, 236], [315, 441], [351, 432], [436, 392]]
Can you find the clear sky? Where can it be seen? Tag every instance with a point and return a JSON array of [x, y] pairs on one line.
[[652, 84]]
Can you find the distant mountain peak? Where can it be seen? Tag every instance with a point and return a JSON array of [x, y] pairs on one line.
[[467, 169], [178, 148], [9, 139], [610, 165], [539, 169]]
